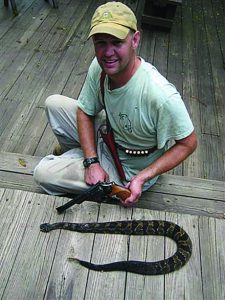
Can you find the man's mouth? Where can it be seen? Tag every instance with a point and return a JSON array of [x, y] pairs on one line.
[[110, 63]]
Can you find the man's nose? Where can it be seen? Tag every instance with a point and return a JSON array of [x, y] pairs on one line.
[[109, 50]]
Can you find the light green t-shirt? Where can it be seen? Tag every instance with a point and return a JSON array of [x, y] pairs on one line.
[[147, 111]]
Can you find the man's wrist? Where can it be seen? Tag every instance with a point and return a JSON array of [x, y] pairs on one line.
[[89, 161]]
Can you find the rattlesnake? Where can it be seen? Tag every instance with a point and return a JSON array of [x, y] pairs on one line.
[[135, 227]]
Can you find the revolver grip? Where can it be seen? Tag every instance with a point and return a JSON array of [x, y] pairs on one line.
[[120, 192]]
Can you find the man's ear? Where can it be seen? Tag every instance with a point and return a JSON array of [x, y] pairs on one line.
[[135, 39]]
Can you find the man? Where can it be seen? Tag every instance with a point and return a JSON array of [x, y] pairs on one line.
[[143, 108]]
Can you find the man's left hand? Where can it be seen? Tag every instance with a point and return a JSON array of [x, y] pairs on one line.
[[135, 186]]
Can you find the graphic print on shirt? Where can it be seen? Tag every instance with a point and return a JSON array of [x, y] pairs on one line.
[[125, 122]]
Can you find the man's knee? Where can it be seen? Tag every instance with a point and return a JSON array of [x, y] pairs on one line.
[[52, 102], [41, 175]]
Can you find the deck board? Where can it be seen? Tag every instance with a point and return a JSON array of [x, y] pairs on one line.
[[171, 192], [36, 265], [44, 51]]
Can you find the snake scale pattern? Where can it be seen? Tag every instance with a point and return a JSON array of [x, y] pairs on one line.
[[135, 227]]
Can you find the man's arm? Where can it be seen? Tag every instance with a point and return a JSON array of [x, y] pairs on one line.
[[169, 160], [94, 173]]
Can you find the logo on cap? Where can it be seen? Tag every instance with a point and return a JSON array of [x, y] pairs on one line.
[[106, 15]]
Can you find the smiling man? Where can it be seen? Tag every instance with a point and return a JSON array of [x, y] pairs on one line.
[[144, 110]]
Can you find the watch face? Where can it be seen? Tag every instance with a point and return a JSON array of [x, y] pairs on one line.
[[88, 161]]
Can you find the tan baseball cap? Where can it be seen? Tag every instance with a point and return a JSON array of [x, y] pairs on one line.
[[113, 18]]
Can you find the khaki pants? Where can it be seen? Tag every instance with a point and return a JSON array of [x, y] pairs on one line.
[[58, 175]]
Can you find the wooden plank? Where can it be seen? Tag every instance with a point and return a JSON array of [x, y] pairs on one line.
[[190, 186], [212, 257], [26, 254], [218, 10], [147, 45], [146, 248], [36, 265], [215, 144], [161, 52], [193, 166], [156, 21], [32, 131], [188, 280], [60, 27], [174, 63], [12, 212], [47, 143], [209, 121], [40, 67], [74, 73], [172, 193], [174, 72], [12, 64], [149, 200], [159, 13], [220, 244], [67, 279], [18, 163], [108, 248], [168, 184], [19, 181], [31, 13], [182, 204]]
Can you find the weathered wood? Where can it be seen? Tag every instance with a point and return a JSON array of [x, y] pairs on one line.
[[143, 248], [36, 265], [171, 193], [41, 28], [67, 279], [168, 184], [189, 282], [209, 121], [218, 8], [18, 163], [108, 248], [26, 255], [211, 249], [31, 123], [52, 43], [174, 66], [159, 13], [216, 157], [19, 181], [13, 5], [195, 164]]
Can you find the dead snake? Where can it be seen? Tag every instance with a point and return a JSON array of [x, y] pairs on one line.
[[135, 227]]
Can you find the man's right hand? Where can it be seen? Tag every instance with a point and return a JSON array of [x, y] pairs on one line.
[[95, 173]]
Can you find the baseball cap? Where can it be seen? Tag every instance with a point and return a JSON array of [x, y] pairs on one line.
[[113, 18]]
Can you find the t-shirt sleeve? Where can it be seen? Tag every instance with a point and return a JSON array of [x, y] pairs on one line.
[[173, 121], [89, 99]]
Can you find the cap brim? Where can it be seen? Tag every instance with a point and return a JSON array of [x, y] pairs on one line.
[[114, 29]]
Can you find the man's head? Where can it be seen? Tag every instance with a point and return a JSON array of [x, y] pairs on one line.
[[113, 18]]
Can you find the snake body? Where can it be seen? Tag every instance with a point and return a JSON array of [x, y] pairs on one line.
[[135, 227]]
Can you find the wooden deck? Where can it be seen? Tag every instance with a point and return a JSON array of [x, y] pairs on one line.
[[44, 51], [36, 265]]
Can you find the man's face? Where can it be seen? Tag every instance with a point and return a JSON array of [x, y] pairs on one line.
[[114, 55]]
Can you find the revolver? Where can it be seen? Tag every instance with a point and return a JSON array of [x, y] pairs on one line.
[[98, 192]]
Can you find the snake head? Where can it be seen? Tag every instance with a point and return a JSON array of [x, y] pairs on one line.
[[45, 227]]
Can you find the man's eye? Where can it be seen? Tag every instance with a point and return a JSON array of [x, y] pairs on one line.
[[99, 43], [118, 43]]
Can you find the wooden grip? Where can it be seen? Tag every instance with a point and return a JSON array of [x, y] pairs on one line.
[[120, 192]]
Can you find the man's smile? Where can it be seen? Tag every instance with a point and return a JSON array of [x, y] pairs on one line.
[[110, 63]]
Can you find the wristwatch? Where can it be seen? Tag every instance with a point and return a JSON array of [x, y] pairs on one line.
[[89, 161]]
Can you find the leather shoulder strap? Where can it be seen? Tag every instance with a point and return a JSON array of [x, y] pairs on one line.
[[102, 80]]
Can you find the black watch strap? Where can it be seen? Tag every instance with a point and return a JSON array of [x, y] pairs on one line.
[[89, 161]]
